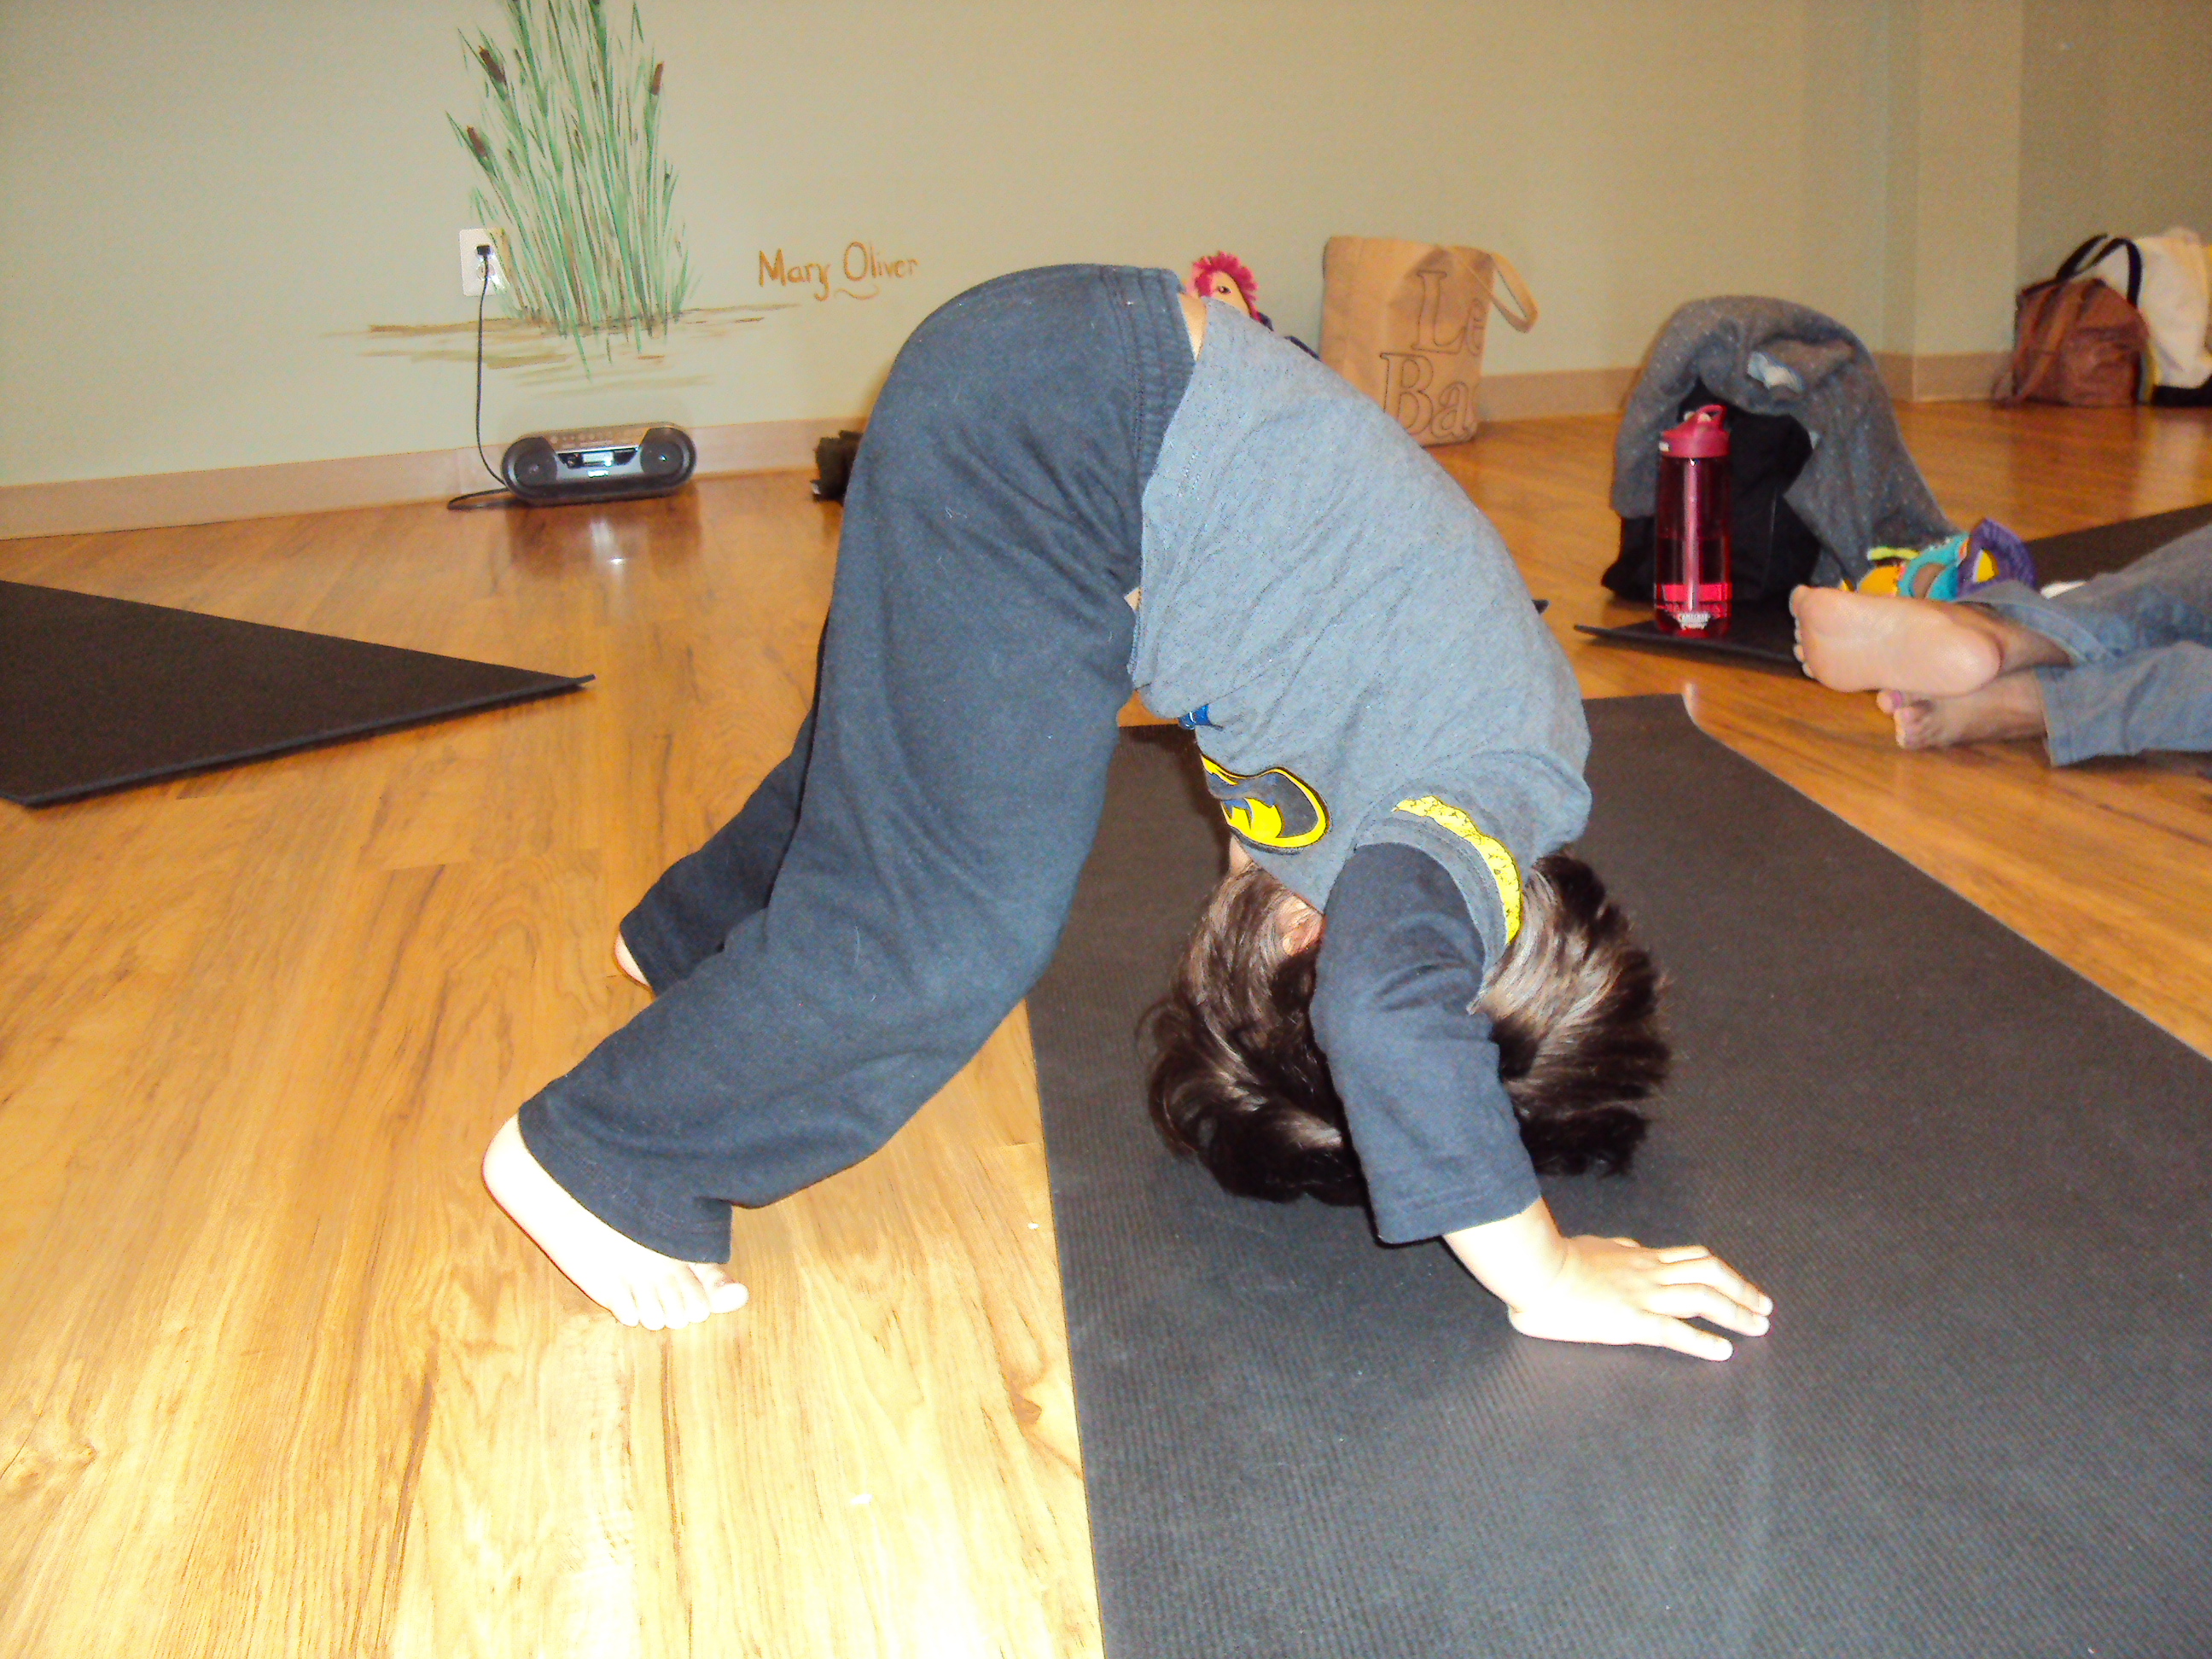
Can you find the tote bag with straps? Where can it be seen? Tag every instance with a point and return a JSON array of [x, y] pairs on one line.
[[2074, 340], [2177, 307], [1405, 323]]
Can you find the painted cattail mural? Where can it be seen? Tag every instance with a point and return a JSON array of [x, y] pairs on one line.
[[569, 143]]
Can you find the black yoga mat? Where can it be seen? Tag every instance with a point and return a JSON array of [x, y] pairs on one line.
[[1769, 636], [1974, 1184], [1766, 637], [2078, 555], [98, 694]]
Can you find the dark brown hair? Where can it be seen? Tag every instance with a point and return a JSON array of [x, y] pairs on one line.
[[1238, 1083]]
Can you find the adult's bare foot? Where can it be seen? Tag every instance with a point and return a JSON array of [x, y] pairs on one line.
[[1870, 641], [636, 1285], [2009, 706], [627, 962]]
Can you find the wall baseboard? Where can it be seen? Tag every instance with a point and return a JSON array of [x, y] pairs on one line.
[[1559, 391], [154, 500], [84, 506], [1949, 377]]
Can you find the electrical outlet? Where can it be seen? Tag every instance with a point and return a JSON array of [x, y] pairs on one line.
[[472, 269]]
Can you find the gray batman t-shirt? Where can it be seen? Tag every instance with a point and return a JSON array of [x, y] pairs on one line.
[[1347, 636]]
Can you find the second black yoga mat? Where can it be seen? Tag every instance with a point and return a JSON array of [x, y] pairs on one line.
[[1975, 1185], [1769, 636], [2077, 554], [98, 694]]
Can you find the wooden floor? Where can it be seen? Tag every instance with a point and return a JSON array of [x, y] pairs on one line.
[[277, 1380]]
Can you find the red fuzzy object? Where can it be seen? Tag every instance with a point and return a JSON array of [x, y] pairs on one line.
[[1228, 265]]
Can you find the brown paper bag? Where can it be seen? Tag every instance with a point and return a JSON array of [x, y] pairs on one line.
[[1404, 322]]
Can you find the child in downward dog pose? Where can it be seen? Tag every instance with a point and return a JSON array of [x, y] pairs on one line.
[[1077, 479]]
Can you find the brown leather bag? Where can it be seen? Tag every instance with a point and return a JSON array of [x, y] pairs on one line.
[[2074, 340]]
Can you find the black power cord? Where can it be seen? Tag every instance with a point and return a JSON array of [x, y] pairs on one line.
[[476, 500]]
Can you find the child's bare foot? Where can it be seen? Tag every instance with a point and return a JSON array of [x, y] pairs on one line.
[[1923, 648], [636, 1285], [2009, 706], [627, 962]]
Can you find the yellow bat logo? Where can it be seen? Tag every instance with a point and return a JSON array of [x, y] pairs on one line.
[[1275, 809]]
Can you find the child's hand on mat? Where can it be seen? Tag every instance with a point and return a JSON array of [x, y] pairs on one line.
[[1614, 1290], [1610, 1289]]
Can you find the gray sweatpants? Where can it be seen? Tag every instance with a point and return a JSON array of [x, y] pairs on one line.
[[837, 952], [2141, 645]]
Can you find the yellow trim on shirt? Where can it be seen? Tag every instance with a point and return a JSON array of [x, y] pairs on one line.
[[1503, 870]]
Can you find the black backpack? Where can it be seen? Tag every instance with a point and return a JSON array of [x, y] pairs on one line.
[[1774, 551], [833, 462]]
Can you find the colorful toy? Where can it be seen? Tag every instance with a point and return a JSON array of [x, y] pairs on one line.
[[1953, 567], [1225, 277]]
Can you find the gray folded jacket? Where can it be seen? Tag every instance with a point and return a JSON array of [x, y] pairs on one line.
[[1859, 489]]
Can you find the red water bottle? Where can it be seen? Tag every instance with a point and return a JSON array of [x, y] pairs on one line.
[[1691, 537]]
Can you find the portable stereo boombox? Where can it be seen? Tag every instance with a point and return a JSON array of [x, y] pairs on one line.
[[602, 464]]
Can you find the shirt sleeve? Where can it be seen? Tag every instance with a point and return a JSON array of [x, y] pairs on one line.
[[1400, 967]]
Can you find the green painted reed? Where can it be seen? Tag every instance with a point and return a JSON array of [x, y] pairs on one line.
[[569, 147]]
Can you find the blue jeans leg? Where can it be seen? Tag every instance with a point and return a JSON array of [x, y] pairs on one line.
[[2140, 644], [2156, 699]]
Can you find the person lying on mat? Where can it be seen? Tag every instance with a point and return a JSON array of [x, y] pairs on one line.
[[2118, 665], [1076, 480]]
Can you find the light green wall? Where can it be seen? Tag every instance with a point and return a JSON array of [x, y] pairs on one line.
[[206, 205], [2116, 123], [1954, 173]]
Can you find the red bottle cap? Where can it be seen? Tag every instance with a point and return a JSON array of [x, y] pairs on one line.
[[1703, 437]]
